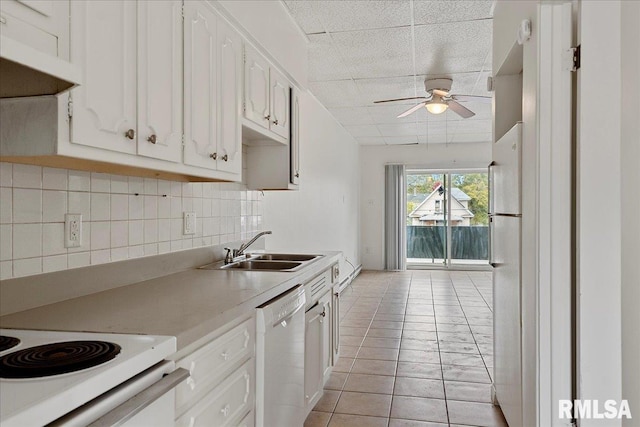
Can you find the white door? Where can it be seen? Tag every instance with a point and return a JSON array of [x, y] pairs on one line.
[[104, 45], [200, 86], [230, 89], [506, 167], [279, 93], [294, 141], [313, 341], [507, 345], [160, 79], [256, 88]]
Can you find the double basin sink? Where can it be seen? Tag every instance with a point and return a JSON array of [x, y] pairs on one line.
[[268, 262]]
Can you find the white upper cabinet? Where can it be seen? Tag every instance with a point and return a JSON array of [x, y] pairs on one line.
[[230, 95], [266, 95], [213, 71], [200, 86], [294, 141], [160, 79], [104, 44]]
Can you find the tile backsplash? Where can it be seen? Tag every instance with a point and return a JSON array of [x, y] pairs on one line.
[[122, 217]]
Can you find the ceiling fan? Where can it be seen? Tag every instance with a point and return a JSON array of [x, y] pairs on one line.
[[439, 99]]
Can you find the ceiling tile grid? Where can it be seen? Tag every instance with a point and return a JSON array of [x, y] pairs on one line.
[[361, 51]]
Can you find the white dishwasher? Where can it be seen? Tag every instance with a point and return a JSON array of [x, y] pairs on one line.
[[280, 361]]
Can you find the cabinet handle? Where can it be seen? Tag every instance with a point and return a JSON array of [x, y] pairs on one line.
[[267, 117], [275, 122], [225, 157], [152, 138], [324, 313], [297, 175], [213, 156], [131, 134], [225, 411], [224, 355]]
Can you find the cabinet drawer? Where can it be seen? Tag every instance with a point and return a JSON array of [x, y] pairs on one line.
[[248, 421], [316, 287], [227, 403], [214, 361], [25, 33]]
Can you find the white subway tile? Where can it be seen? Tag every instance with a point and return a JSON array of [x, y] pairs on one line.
[[119, 184], [119, 234], [176, 229], [164, 247], [136, 207], [119, 207], [176, 245], [54, 263], [100, 206], [27, 206], [136, 251], [54, 179], [136, 185], [150, 186], [100, 257], [100, 182], [6, 205], [27, 241], [164, 207], [151, 249], [54, 205], [79, 181], [6, 242], [207, 190], [176, 189], [136, 232], [100, 236], [197, 207], [164, 187], [119, 254], [187, 189], [80, 203], [27, 267], [164, 230], [27, 176], [206, 208], [150, 207], [6, 270], [80, 259], [53, 239], [6, 174], [150, 231], [196, 188], [176, 207]]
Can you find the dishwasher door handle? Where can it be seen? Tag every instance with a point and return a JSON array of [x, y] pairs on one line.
[[284, 321]]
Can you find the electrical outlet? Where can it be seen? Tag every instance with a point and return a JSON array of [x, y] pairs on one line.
[[189, 223], [72, 230]]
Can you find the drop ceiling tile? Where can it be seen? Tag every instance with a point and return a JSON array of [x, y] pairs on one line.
[[389, 88], [363, 130], [352, 115], [452, 48], [470, 137], [432, 139], [473, 126], [324, 60], [376, 53], [400, 129], [336, 93], [304, 15], [401, 140], [430, 12], [362, 15], [371, 140]]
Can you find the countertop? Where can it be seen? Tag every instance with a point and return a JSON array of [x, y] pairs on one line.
[[188, 304]]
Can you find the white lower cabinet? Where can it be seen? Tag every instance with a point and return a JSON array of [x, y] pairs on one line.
[[221, 389]]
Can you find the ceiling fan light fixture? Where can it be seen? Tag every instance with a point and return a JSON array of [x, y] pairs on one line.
[[436, 107]]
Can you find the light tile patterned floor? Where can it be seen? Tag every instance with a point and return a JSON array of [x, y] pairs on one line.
[[416, 351]]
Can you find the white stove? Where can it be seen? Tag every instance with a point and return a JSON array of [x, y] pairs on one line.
[[38, 401]]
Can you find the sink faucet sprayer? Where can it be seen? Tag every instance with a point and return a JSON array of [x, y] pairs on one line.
[[240, 251]]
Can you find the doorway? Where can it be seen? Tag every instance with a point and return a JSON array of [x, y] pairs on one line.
[[447, 222]]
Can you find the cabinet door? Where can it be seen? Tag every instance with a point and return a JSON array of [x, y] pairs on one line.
[[200, 86], [325, 321], [230, 77], [313, 341], [104, 44], [280, 93], [335, 325], [256, 88], [160, 79], [294, 141]]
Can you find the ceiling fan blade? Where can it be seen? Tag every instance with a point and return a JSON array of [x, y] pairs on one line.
[[460, 110], [463, 98], [440, 92], [399, 99], [411, 110]]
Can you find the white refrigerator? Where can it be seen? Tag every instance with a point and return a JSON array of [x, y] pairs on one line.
[[506, 252]]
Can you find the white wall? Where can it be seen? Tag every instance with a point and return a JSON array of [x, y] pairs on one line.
[[630, 183], [372, 162], [323, 214]]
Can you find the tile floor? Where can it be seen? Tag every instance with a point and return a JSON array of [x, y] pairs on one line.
[[415, 351]]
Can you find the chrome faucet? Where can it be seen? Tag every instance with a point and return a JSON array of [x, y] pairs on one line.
[[240, 251]]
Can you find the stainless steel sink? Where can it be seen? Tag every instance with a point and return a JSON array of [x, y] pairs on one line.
[[286, 257], [263, 265]]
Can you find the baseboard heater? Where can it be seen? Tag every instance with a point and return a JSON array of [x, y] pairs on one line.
[[349, 279]]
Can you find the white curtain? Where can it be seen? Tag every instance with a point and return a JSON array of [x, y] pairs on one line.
[[395, 218]]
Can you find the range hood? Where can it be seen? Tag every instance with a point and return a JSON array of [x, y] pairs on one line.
[[25, 71]]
